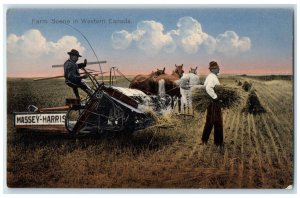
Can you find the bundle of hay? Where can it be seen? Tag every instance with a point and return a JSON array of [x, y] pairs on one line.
[[253, 105], [239, 83], [246, 86], [230, 96], [164, 117]]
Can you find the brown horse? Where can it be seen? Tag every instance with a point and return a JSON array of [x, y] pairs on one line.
[[168, 86], [147, 83], [176, 74]]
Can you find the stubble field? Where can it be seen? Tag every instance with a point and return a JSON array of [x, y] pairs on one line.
[[258, 150]]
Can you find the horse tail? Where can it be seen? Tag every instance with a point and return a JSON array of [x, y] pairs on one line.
[[161, 88]]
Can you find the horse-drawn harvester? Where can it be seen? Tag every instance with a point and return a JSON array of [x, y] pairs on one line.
[[109, 108]]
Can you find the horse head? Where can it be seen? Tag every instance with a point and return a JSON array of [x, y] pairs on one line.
[[160, 71], [179, 71], [157, 73], [193, 71]]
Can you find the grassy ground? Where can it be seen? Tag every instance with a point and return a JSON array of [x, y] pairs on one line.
[[258, 149]]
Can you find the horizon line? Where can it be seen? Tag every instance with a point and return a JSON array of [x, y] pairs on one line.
[[223, 74]]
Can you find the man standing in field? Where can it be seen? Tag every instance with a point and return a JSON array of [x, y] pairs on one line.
[[72, 76], [214, 113]]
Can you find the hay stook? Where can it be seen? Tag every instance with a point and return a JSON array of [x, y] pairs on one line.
[[230, 96], [253, 105], [246, 86]]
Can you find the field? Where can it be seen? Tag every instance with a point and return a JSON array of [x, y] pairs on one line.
[[258, 152]]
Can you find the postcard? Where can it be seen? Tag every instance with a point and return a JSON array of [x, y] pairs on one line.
[[140, 97]]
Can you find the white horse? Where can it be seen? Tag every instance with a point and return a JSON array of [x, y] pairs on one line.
[[186, 84]]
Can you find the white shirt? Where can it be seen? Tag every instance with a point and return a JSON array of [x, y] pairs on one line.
[[210, 82], [194, 79], [184, 81], [188, 80]]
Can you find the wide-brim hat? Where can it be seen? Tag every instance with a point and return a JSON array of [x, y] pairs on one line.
[[213, 65], [74, 52]]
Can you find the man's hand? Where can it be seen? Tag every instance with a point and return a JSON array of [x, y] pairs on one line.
[[84, 76], [85, 62], [217, 100]]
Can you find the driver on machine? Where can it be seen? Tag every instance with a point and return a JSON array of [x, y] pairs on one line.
[[72, 76]]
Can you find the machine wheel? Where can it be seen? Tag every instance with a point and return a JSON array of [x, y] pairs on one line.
[[72, 116]]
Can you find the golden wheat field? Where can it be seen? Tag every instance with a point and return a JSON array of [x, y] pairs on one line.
[[258, 152]]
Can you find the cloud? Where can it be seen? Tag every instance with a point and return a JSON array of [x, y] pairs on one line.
[[121, 39], [32, 54], [188, 35], [230, 43], [210, 44], [32, 44], [149, 37]]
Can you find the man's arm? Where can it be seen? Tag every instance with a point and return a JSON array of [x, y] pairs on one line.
[[82, 65], [72, 75], [211, 92], [210, 88]]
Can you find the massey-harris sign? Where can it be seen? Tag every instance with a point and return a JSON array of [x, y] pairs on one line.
[[40, 119]]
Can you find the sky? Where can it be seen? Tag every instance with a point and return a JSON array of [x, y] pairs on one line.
[[140, 40]]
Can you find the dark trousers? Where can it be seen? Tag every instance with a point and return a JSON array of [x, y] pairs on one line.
[[81, 86], [214, 119]]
